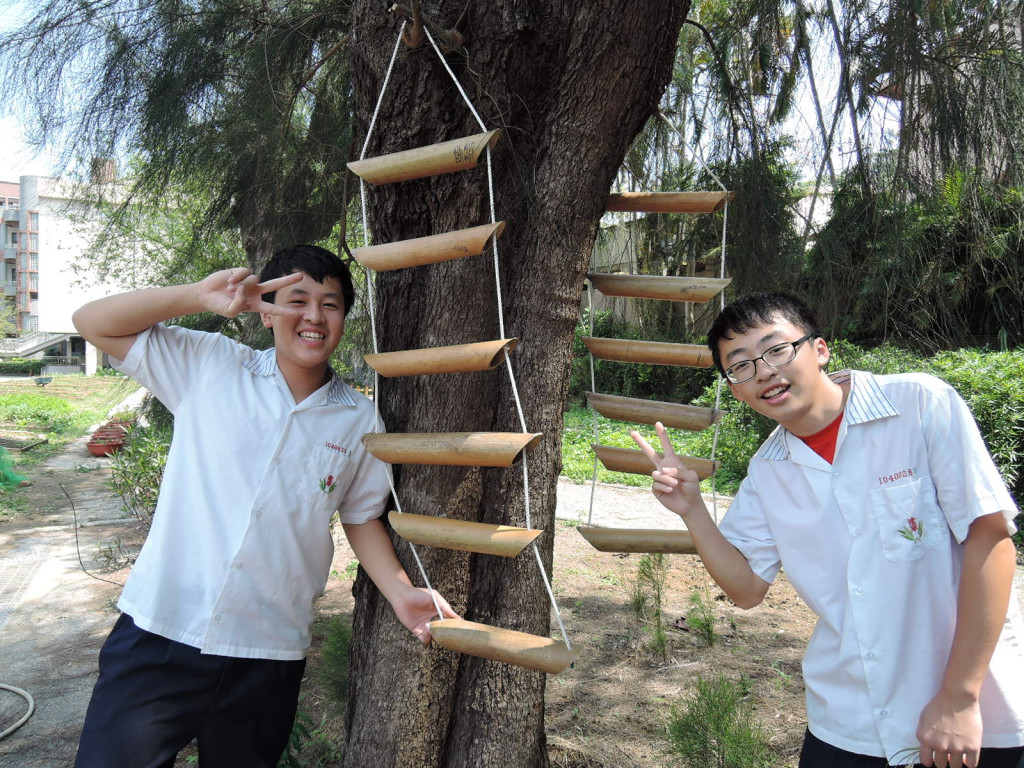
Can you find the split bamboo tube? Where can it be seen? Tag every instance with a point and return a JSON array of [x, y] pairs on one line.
[[692, 417], [462, 449], [428, 250], [460, 358], [432, 160], [668, 202], [637, 463], [696, 289], [670, 542], [463, 535], [509, 646], [656, 352]]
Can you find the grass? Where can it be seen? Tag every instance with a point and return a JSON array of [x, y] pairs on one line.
[[62, 411]]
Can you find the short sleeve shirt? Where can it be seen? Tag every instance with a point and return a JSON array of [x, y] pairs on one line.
[[240, 543], [873, 544]]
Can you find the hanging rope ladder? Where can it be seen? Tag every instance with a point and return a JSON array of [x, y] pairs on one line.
[[485, 449], [635, 410]]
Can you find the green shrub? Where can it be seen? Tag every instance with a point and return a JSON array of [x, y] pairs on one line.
[[18, 367], [646, 597], [138, 469], [715, 728]]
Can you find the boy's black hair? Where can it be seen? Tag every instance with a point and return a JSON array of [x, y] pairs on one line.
[[758, 309], [317, 262]]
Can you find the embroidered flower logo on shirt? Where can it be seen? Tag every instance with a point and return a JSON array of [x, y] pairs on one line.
[[913, 530], [327, 484]]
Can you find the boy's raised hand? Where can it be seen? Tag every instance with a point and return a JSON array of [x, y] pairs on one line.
[[230, 292], [675, 485]]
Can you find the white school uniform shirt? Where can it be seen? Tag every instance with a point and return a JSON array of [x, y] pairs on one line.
[[240, 545], [873, 544]]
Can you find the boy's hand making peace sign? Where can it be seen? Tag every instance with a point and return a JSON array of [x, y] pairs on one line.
[[675, 486]]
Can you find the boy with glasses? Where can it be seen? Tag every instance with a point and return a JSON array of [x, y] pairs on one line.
[[879, 498]]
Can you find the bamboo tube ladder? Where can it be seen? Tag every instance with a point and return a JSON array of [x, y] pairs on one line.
[[488, 449], [690, 289]]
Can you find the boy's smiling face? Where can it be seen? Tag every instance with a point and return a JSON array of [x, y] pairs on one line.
[[305, 340], [797, 394]]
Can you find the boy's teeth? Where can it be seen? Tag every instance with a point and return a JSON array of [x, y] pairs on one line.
[[773, 392], [311, 336]]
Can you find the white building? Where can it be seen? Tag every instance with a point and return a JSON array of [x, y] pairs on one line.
[[47, 225]]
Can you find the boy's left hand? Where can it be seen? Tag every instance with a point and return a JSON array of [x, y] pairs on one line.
[[416, 610], [950, 733]]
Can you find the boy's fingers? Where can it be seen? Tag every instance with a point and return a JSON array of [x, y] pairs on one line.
[[280, 282], [666, 444], [649, 452]]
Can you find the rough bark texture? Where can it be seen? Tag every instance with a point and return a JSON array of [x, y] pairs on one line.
[[570, 84]]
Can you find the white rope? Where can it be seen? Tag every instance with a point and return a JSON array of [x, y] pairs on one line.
[[593, 411], [380, 97], [501, 331], [371, 301], [718, 383]]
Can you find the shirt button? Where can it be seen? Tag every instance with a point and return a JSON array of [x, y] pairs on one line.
[[216, 617], [855, 532], [884, 713], [258, 513], [858, 591], [237, 566], [870, 655]]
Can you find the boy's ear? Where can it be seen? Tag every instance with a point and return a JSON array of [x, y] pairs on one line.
[[267, 320], [824, 353]]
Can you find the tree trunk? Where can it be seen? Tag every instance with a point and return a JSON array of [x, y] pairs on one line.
[[570, 84]]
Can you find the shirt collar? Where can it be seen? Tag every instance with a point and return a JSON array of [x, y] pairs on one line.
[[866, 402], [264, 363]]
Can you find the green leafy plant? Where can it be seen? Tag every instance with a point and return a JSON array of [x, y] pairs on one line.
[[715, 727], [138, 469], [334, 658]]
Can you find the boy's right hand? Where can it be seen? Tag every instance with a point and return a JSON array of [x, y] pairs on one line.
[[675, 485], [231, 292]]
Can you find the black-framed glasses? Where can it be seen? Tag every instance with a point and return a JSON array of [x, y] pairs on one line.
[[775, 356]]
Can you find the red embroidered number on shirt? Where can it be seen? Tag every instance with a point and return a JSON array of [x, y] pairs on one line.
[[895, 476]]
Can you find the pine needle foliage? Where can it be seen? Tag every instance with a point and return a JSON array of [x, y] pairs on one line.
[[715, 728], [248, 98]]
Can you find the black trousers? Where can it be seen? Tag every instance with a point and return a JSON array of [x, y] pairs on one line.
[[819, 754], [155, 695]]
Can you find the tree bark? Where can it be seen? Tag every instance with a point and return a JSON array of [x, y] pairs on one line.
[[570, 84]]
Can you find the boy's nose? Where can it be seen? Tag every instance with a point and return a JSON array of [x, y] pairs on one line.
[[313, 312]]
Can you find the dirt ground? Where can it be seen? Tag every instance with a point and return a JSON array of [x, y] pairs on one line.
[[610, 709]]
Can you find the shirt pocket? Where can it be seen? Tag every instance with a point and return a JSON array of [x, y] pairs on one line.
[[908, 520], [327, 476]]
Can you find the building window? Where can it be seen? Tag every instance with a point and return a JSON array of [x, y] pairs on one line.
[[14, 238], [33, 241], [33, 221], [34, 282], [12, 202], [33, 261]]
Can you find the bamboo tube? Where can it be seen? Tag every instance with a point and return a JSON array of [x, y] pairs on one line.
[[668, 202], [463, 535], [461, 449], [670, 542], [692, 417], [431, 160], [655, 352], [696, 289], [428, 250], [509, 646], [637, 463], [459, 358]]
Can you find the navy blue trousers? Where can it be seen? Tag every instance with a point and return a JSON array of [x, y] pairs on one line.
[[819, 754], [155, 695]]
